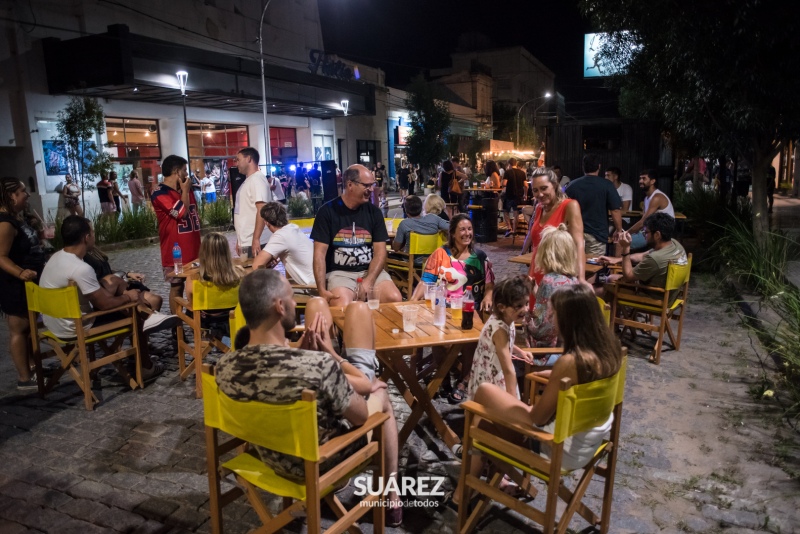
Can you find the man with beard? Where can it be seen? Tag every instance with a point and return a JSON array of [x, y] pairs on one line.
[[350, 237], [651, 266], [655, 201], [268, 370]]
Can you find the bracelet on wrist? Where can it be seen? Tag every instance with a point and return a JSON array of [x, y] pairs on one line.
[[626, 254]]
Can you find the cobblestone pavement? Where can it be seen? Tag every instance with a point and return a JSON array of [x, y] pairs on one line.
[[697, 453]]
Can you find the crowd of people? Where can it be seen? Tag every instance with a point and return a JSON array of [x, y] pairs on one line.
[[345, 261]]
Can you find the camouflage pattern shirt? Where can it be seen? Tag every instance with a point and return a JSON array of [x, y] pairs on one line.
[[278, 375]]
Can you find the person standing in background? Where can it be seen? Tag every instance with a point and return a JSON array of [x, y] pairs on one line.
[[137, 191], [250, 198]]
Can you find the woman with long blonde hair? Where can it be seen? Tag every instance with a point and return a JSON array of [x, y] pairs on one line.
[[216, 266]]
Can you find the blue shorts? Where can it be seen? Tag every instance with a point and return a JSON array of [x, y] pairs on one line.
[[211, 197]]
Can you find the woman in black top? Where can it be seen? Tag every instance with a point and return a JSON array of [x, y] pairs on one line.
[[21, 259]]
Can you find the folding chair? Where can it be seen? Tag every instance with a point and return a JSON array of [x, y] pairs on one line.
[[580, 408], [288, 429], [72, 354], [654, 301], [406, 267], [205, 296]]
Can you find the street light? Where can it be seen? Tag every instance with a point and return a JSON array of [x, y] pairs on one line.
[[546, 95], [182, 77], [345, 106], [263, 83]]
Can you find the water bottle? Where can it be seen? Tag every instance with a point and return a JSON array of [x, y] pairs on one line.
[[177, 258], [467, 309], [440, 307], [359, 291]]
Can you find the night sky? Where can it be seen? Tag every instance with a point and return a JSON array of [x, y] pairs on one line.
[[404, 37]]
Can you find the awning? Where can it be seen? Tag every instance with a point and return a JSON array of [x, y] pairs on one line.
[[126, 66]]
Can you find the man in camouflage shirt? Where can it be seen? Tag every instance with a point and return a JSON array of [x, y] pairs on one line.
[[267, 370]]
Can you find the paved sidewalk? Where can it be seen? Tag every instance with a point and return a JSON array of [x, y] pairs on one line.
[[697, 452]]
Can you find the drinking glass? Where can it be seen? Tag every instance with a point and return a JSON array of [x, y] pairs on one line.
[[389, 226], [430, 293], [455, 307], [373, 300], [409, 318]]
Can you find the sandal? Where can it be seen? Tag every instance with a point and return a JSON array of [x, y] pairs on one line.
[[459, 394], [156, 369]]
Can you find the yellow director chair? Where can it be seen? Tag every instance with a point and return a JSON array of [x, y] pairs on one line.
[[406, 267], [655, 302], [580, 408], [72, 354], [288, 429], [205, 296]]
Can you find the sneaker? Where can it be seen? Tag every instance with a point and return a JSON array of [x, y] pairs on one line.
[[29, 384], [508, 234], [159, 321]]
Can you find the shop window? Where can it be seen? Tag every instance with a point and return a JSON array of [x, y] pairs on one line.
[[134, 145], [213, 149], [323, 147], [283, 145]]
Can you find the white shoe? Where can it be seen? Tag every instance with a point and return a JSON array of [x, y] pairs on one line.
[[159, 321]]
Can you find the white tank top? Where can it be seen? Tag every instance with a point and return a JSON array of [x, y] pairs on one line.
[[668, 210]]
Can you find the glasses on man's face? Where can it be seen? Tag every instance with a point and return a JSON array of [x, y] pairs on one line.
[[366, 186]]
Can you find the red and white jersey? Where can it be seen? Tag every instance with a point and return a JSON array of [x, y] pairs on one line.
[[176, 224]]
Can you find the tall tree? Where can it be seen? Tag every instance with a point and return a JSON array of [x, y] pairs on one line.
[[430, 125], [719, 74], [78, 125]]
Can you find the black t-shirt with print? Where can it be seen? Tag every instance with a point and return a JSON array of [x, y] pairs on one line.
[[349, 234]]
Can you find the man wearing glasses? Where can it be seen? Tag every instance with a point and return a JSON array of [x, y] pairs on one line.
[[350, 237]]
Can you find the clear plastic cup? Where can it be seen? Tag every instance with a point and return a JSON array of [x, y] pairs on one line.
[[389, 225], [409, 318], [373, 300], [455, 307], [430, 293]]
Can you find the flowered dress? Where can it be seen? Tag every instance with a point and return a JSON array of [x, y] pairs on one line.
[[475, 271], [539, 327], [486, 363]]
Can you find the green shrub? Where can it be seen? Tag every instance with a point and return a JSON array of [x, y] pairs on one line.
[[216, 213], [129, 226], [298, 207]]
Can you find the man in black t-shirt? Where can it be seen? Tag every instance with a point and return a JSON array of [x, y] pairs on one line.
[[350, 237], [597, 197], [514, 194], [315, 179]]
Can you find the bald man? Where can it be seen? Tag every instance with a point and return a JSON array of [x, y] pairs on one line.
[[350, 237]]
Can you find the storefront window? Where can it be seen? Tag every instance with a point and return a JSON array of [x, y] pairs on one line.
[[213, 149], [134, 146], [283, 145], [323, 147]]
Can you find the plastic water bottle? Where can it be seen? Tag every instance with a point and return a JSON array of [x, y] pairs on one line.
[[359, 291], [467, 309], [177, 258], [440, 306]]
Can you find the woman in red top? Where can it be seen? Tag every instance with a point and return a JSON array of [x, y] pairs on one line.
[[554, 208]]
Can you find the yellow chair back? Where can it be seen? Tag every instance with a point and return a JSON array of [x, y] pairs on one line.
[[424, 244], [285, 428], [585, 406], [61, 303], [207, 296], [677, 275], [236, 321], [304, 223], [604, 310]]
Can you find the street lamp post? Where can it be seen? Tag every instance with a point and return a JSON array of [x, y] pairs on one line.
[[263, 84], [546, 95], [183, 76]]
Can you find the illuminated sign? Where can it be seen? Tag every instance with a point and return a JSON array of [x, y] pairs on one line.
[[401, 134]]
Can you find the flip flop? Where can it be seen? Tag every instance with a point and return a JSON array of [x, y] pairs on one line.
[[459, 394]]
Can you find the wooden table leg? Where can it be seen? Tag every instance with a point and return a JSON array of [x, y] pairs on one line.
[[422, 397]]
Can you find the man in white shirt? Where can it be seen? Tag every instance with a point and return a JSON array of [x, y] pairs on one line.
[[288, 244], [67, 266], [625, 192], [563, 180], [276, 188], [250, 198], [209, 189]]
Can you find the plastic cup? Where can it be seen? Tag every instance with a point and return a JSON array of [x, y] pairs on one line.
[[430, 293], [409, 318], [390, 225], [373, 300], [455, 307]]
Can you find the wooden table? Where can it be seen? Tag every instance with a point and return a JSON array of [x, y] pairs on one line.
[[526, 259], [392, 344], [191, 270], [484, 189]]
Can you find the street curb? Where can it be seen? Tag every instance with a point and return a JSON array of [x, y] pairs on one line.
[[138, 243]]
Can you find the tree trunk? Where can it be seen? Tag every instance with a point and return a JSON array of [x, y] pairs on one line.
[[796, 180]]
